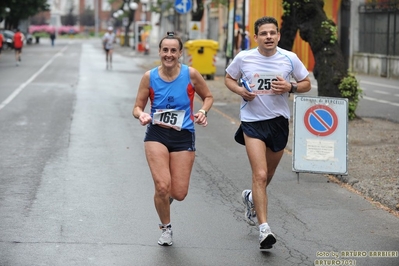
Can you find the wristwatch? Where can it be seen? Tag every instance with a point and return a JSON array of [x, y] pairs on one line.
[[294, 87], [204, 112]]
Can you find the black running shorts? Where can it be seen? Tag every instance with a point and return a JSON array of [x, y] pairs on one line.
[[273, 132], [174, 140]]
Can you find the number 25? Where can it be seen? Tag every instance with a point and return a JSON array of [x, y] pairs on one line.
[[265, 84]]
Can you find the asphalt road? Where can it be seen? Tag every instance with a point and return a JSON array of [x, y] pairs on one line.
[[75, 188]]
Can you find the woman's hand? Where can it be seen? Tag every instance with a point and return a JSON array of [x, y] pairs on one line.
[[201, 119], [144, 119]]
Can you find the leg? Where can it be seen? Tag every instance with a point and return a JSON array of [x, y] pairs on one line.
[[110, 56], [158, 160], [171, 174], [181, 164], [263, 163]]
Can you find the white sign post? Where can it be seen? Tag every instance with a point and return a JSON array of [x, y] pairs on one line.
[[320, 135]]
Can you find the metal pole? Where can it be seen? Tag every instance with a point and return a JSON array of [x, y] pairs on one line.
[[243, 25], [96, 18], [234, 26]]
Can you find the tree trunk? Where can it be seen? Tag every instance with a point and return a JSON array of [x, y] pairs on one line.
[[288, 31], [196, 15], [329, 66]]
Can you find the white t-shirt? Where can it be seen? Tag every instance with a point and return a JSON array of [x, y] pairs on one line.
[[260, 70], [109, 39]]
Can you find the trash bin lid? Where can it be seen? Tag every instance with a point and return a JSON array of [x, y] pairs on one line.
[[202, 43]]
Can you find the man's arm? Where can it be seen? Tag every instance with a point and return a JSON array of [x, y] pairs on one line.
[[232, 85], [303, 85]]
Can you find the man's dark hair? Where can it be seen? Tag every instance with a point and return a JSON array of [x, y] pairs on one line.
[[264, 20], [172, 36]]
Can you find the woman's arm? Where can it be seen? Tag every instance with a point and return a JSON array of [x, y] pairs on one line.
[[142, 99]]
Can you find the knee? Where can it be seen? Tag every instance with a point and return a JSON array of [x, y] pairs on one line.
[[179, 196], [162, 190], [260, 177]]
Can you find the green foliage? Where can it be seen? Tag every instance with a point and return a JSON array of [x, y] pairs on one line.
[[87, 17], [159, 6], [349, 88], [41, 34], [286, 8], [220, 2], [20, 11], [332, 30]]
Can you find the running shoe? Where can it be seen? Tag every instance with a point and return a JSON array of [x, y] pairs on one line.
[[266, 239], [166, 237], [249, 207]]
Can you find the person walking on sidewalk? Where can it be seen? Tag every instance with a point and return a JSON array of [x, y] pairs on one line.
[[108, 44], [18, 40], [52, 37], [169, 141], [264, 113], [1, 42]]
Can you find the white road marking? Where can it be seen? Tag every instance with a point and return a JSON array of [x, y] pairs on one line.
[[380, 85], [380, 101], [26, 83]]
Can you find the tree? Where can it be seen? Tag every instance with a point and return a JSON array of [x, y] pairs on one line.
[[20, 11], [69, 19], [314, 27], [87, 17], [38, 19], [198, 13]]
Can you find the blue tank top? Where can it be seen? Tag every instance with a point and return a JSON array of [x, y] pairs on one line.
[[177, 94]]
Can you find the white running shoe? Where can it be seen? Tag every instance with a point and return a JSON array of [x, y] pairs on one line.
[[266, 239], [249, 207], [166, 236]]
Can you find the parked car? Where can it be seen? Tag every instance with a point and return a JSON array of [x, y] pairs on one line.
[[8, 42], [28, 37]]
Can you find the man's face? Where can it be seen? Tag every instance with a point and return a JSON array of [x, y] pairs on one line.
[[268, 37]]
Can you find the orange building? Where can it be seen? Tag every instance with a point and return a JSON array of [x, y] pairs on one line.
[[258, 8]]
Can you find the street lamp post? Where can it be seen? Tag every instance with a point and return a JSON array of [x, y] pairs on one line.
[[144, 10], [128, 6], [144, 6], [131, 7]]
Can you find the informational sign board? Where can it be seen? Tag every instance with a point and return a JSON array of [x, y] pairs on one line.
[[194, 31], [320, 135]]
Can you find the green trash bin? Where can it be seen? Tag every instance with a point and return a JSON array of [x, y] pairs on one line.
[[201, 55]]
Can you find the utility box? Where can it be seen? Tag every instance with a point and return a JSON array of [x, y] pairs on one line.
[[201, 55]]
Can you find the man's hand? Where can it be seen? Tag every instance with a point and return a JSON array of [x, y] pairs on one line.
[[281, 86]]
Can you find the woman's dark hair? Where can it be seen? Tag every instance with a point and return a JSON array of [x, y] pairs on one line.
[[265, 20], [171, 35]]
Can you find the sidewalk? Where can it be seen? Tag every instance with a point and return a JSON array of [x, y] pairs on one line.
[[373, 144]]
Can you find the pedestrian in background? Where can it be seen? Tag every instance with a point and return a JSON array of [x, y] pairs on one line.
[[108, 44], [18, 40], [169, 140], [264, 113], [1, 42], [52, 37]]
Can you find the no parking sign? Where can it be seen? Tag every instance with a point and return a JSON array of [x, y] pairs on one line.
[[320, 135]]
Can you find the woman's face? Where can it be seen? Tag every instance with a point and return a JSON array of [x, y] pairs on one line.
[[170, 52]]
